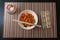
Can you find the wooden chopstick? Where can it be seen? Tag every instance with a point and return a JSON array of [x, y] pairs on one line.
[[25, 22]]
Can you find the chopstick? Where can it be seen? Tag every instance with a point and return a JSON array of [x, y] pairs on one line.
[[26, 22]]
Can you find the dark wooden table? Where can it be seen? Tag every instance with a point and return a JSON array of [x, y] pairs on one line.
[[13, 30]]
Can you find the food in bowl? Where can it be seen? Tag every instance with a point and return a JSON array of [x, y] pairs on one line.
[[11, 9], [26, 17]]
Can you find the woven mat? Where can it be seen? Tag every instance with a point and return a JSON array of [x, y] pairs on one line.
[[13, 30]]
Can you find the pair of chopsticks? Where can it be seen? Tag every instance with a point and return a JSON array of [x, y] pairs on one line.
[[26, 23]]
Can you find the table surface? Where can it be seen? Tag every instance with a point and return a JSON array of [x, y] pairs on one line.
[[13, 30]]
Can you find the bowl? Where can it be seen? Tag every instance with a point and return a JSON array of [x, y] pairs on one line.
[[35, 18]]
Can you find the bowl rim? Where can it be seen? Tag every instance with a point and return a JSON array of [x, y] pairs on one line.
[[31, 26]]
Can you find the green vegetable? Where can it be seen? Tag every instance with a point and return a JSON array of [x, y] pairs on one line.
[[33, 22]]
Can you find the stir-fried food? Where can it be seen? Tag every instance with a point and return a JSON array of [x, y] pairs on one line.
[[26, 17]]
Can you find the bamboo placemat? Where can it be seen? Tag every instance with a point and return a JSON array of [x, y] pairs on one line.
[[12, 29]]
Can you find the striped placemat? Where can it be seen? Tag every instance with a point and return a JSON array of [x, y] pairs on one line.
[[13, 30]]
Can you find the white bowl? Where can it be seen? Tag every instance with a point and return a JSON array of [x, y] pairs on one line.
[[35, 17]]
